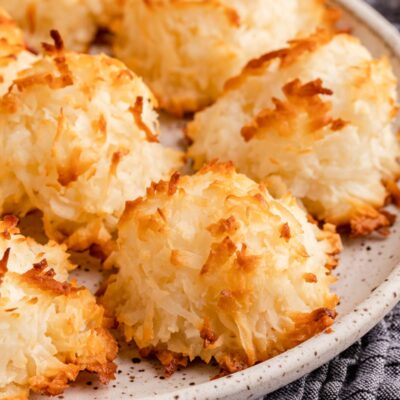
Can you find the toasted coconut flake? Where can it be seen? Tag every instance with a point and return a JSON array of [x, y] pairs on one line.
[[220, 253], [4, 263], [58, 46], [37, 276], [137, 111], [365, 224], [224, 284], [285, 231], [208, 335], [309, 323], [171, 361], [310, 278], [226, 226]]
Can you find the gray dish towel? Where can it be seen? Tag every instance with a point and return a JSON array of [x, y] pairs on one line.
[[370, 369]]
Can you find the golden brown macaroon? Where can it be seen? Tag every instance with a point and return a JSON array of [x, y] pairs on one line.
[[81, 134], [187, 49], [211, 266], [315, 119], [50, 330]]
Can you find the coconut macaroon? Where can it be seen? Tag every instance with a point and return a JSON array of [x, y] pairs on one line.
[[212, 266], [13, 58], [314, 118], [187, 49], [76, 20], [50, 330], [80, 133]]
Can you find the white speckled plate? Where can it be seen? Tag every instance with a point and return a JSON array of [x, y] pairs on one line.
[[369, 287]]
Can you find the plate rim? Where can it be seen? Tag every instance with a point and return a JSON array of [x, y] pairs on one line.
[[267, 377]]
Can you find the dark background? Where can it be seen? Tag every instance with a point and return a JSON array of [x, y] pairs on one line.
[[390, 8]]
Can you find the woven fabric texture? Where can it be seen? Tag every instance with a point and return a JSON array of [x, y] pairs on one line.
[[368, 370]]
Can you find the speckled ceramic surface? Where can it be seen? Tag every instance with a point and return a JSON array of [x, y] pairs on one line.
[[369, 286]]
